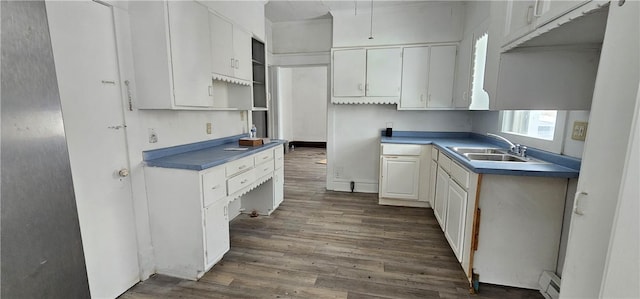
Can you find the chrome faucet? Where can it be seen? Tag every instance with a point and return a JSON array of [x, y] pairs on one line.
[[516, 149]]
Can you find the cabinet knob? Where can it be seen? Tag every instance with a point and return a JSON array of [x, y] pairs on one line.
[[123, 172]]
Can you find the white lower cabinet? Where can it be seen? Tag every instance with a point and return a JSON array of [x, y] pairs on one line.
[[216, 222], [441, 197], [189, 212], [400, 177], [455, 219], [404, 171]]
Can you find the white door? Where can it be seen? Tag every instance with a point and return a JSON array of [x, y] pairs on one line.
[[400, 177], [190, 53], [456, 215], [278, 187], [222, 60], [216, 230], [384, 71], [442, 191], [442, 66], [349, 69], [415, 78], [86, 62]]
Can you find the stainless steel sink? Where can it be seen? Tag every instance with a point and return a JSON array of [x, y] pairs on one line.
[[494, 157], [477, 150]]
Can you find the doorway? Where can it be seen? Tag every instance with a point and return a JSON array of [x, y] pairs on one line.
[[301, 99]]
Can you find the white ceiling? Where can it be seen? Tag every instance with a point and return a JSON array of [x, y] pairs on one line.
[[288, 10]]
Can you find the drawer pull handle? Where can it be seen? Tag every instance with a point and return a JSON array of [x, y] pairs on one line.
[[215, 187], [242, 167], [266, 169], [244, 181], [265, 157]]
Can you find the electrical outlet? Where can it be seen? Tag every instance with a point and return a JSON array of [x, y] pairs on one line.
[[208, 128], [579, 130], [153, 136], [389, 125], [339, 172]]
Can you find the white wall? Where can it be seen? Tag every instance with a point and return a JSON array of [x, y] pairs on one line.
[[353, 148], [419, 23], [285, 103], [309, 111], [302, 36]]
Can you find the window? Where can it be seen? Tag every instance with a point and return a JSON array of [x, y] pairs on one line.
[[539, 124], [479, 98]]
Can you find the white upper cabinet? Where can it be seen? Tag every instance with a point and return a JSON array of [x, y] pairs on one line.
[[242, 54], [441, 74], [178, 47], [427, 77], [415, 78], [384, 67], [519, 19], [230, 49], [190, 53], [349, 72], [524, 16], [222, 61]]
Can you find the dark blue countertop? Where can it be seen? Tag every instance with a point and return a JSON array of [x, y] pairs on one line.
[[556, 166], [203, 155]]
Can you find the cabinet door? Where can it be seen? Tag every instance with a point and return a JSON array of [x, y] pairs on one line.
[[455, 219], [432, 183], [549, 10], [399, 177], [384, 71], [441, 197], [415, 78], [278, 187], [190, 53], [216, 231], [519, 19], [242, 54], [442, 65], [222, 60], [349, 72]]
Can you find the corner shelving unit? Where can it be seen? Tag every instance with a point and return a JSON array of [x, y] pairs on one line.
[[260, 107]]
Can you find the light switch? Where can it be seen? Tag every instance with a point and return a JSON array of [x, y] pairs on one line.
[[579, 130], [208, 128]]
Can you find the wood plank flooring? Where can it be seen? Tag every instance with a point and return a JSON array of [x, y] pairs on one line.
[[323, 244]]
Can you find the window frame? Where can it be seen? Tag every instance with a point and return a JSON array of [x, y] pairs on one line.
[[554, 146]]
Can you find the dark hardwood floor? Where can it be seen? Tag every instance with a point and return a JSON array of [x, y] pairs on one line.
[[323, 244]]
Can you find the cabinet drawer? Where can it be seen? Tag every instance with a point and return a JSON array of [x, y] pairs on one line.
[[240, 181], [401, 149], [263, 157], [235, 167], [434, 154], [444, 162], [264, 169], [460, 175], [213, 185]]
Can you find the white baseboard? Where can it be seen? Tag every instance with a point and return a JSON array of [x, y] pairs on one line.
[[359, 187], [403, 203]]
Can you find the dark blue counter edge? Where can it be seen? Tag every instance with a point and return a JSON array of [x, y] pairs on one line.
[[572, 164], [180, 149], [183, 148]]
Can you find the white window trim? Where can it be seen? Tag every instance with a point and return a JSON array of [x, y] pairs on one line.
[[554, 146]]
